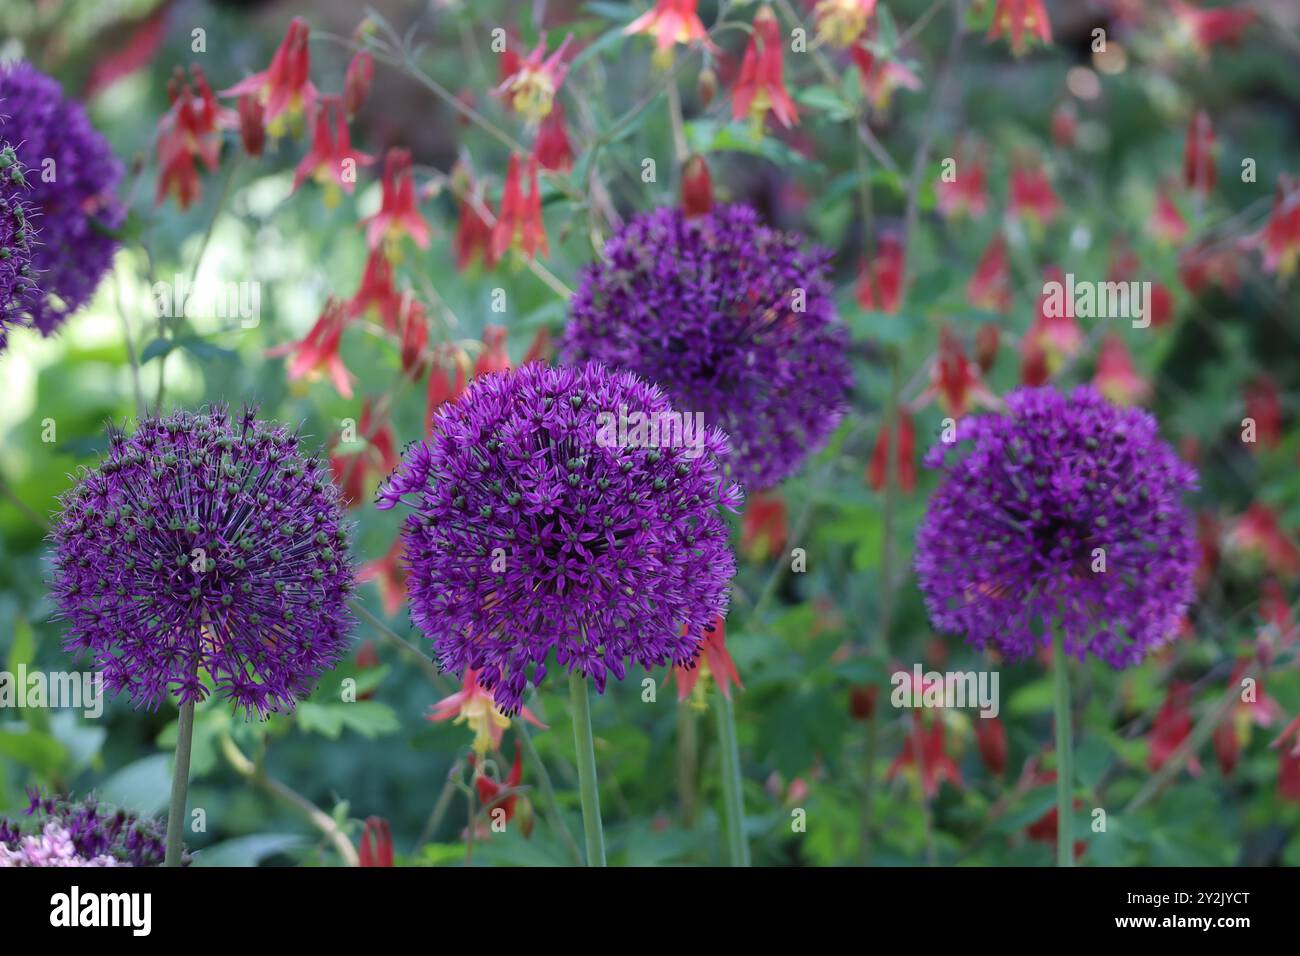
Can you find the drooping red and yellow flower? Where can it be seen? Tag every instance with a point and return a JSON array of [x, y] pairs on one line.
[[1117, 377], [1021, 20], [1264, 407], [990, 287], [1199, 172], [1288, 769], [494, 357], [398, 214], [377, 297], [881, 77], [904, 456], [552, 148], [1258, 532], [332, 161], [670, 22], [284, 89], [1167, 223], [1173, 725], [697, 186], [318, 351], [880, 281], [444, 385], [530, 89], [519, 225], [356, 81], [1253, 709], [189, 130], [954, 380], [1208, 28], [764, 526], [473, 705], [761, 86], [714, 661], [931, 756], [842, 23], [373, 452], [376, 843], [1280, 237], [1052, 338], [1032, 196], [991, 741], [390, 576], [966, 193]]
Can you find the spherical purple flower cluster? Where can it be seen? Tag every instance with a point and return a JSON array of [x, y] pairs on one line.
[[730, 318], [539, 525], [206, 543], [65, 832], [72, 173], [1066, 512], [17, 275]]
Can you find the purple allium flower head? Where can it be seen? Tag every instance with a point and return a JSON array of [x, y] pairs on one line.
[[731, 319], [538, 527], [72, 173], [1009, 547], [17, 274], [203, 542], [61, 831]]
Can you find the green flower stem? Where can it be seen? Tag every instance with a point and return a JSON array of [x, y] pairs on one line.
[[180, 786], [1064, 761], [733, 817], [586, 754]]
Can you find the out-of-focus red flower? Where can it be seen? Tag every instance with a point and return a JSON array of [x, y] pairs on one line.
[[1052, 338], [356, 81], [1160, 305], [1207, 540], [990, 287], [413, 328], [987, 338], [1234, 732], [390, 576], [1280, 629], [991, 739], [519, 224], [1117, 377], [552, 149], [398, 214], [1065, 125], [881, 77], [714, 660], [862, 701], [670, 22], [1198, 154], [697, 186], [530, 89], [1167, 223], [1032, 196], [761, 86], [373, 452], [763, 526], [189, 130], [377, 297], [843, 23], [1258, 532], [490, 792], [473, 229], [473, 705], [967, 192], [251, 131], [1288, 768], [493, 358], [376, 843], [954, 379], [318, 351], [904, 452], [1043, 830], [1280, 237], [284, 89], [880, 281], [444, 386], [130, 55], [1173, 725], [1020, 20], [1264, 405], [1208, 28], [936, 765], [1200, 266], [706, 86], [331, 159], [540, 349]]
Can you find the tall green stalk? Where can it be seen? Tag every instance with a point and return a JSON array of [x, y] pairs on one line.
[[733, 802], [180, 786], [586, 754], [1064, 757]]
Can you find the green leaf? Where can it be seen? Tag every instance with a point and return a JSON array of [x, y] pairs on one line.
[[143, 786], [155, 349], [23, 650], [1037, 697], [247, 851], [34, 749]]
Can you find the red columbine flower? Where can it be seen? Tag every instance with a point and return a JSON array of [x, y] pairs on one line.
[[761, 86], [990, 287], [991, 739], [376, 843], [444, 386], [842, 23], [519, 223], [530, 89], [1198, 154], [904, 452], [494, 357], [967, 192], [713, 660], [1258, 532], [331, 161], [373, 452], [1167, 223], [1234, 732], [1043, 830], [413, 329], [398, 215], [1208, 28], [390, 575], [1280, 237], [880, 282], [1020, 19], [319, 349], [1173, 725], [489, 791], [1052, 338], [1116, 377], [252, 133], [1288, 768], [1200, 266], [552, 149], [540, 349], [356, 81], [1279, 624], [936, 765], [190, 129], [697, 186], [671, 22], [473, 230], [377, 296], [986, 346], [880, 78], [1032, 195], [283, 89], [1065, 125], [1265, 406], [473, 705], [954, 380], [763, 526]]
